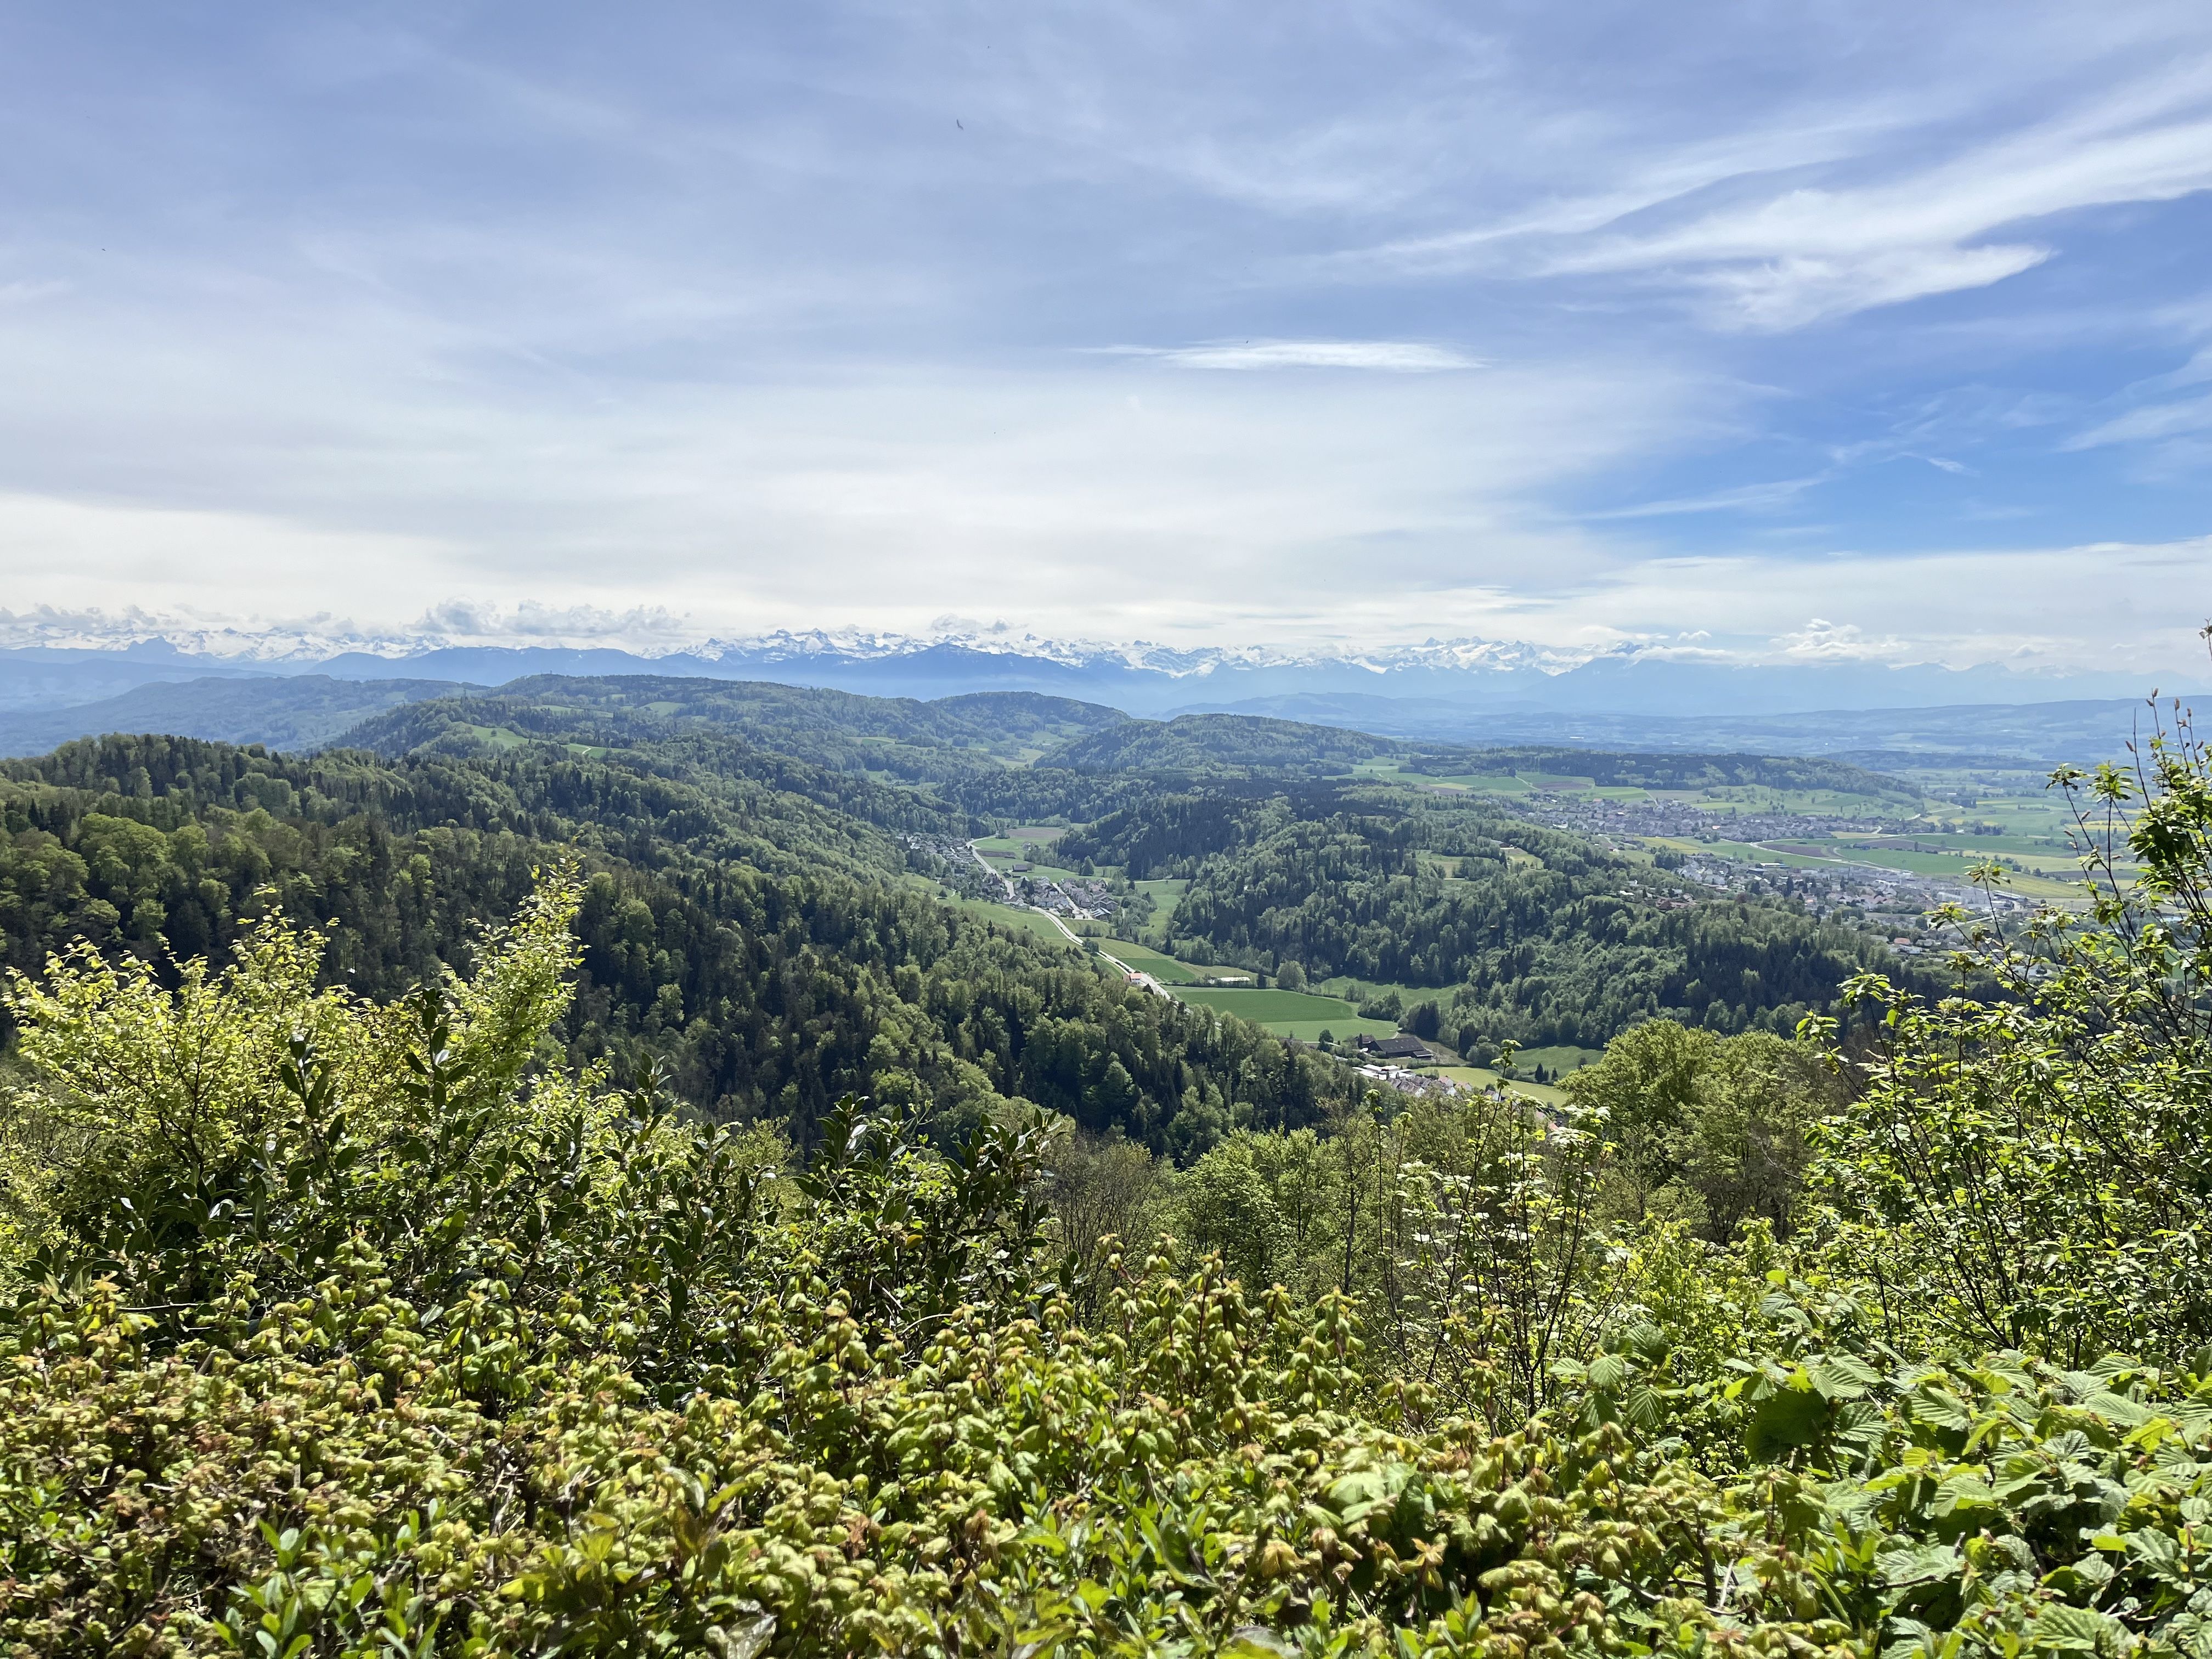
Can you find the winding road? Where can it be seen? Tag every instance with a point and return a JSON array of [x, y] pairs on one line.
[[1074, 937]]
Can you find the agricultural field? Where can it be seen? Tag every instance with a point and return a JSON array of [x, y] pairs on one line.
[[1003, 853], [1391, 770], [2052, 881], [1951, 866], [1500, 783], [2010, 845], [2037, 854], [1360, 990], [2043, 816], [494, 737], [1161, 967], [1297, 1014], [1034, 922], [1733, 799], [1558, 1058], [1050, 873], [1165, 893], [2062, 888], [1453, 868], [1384, 768], [1481, 1077]]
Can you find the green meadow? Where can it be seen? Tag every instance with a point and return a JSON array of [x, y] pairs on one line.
[[1020, 921], [1297, 1014], [1161, 967]]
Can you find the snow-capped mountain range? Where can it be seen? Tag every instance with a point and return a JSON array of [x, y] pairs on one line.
[[51, 659]]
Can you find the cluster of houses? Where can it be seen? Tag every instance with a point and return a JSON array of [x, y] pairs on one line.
[[1408, 1050], [1084, 898], [1390, 1060]]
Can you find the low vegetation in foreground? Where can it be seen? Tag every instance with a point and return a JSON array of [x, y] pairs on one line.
[[347, 1327]]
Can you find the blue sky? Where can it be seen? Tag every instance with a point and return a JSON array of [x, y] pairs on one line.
[[1875, 330]]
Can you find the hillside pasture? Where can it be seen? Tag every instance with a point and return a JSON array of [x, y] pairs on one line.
[[1033, 922], [1161, 966], [1297, 1014], [1481, 1077]]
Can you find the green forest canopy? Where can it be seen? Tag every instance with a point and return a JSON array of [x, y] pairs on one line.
[[696, 800], [1551, 946], [763, 942]]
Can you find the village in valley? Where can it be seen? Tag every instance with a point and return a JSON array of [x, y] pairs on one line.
[[1892, 868]]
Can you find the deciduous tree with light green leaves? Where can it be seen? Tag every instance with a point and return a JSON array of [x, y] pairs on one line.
[[2032, 1171]]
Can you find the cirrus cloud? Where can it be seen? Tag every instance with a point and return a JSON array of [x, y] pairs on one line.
[[1392, 356]]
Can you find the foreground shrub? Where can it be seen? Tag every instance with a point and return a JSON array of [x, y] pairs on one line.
[[341, 1330]]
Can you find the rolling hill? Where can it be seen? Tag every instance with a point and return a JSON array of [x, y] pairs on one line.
[[1219, 742], [299, 713]]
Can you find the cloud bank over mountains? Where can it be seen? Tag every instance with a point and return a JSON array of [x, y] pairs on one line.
[[52, 660]]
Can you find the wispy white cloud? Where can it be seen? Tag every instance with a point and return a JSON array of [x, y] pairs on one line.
[[1392, 356], [1211, 506], [2152, 421], [2195, 372], [1782, 251], [1790, 289], [1741, 498]]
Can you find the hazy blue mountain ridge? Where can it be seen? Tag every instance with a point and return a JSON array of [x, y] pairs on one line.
[[300, 713], [1499, 679]]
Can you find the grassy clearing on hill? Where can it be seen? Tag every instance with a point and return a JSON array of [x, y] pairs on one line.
[[1561, 1057], [1485, 783], [1161, 966], [1481, 1077], [1288, 1013], [1034, 922]]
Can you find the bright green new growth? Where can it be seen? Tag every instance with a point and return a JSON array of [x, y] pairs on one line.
[[341, 1328], [2033, 1171]]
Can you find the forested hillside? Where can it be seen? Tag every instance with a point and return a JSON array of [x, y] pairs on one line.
[[1204, 745], [698, 799], [973, 753], [295, 712], [1525, 933], [944, 741], [755, 938]]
